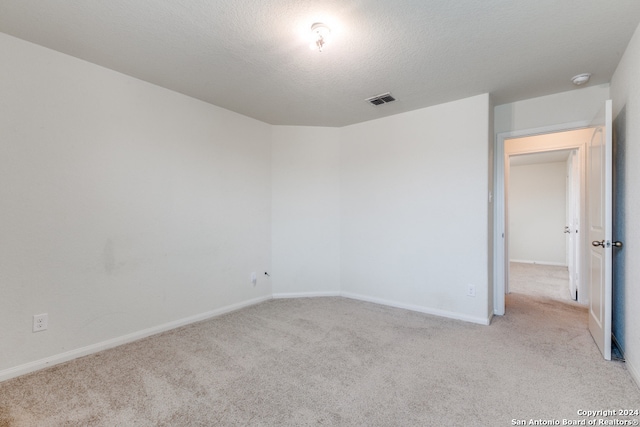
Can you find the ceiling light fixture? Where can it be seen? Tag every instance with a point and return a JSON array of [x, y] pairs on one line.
[[319, 36], [580, 79]]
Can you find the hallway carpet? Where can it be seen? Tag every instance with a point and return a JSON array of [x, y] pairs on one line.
[[541, 280]]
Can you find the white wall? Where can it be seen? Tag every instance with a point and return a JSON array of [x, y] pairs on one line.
[[124, 206], [305, 211], [414, 209], [128, 209], [625, 93], [537, 213], [578, 105]]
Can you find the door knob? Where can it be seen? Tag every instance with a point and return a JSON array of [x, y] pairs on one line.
[[598, 243], [617, 244]]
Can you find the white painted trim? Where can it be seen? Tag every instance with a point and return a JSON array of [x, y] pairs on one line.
[[104, 345], [545, 129], [500, 265], [420, 309], [500, 247], [526, 261], [306, 295]]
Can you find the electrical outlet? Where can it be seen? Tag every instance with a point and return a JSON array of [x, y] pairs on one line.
[[471, 290], [254, 278], [40, 322]]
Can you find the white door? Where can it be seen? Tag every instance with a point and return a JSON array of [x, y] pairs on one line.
[[573, 222], [599, 227]]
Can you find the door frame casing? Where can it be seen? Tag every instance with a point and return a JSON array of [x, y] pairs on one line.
[[573, 220], [500, 235]]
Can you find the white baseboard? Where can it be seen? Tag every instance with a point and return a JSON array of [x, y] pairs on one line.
[[104, 345], [306, 295], [635, 374], [526, 261], [420, 309]]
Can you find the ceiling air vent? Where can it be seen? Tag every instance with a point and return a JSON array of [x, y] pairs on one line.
[[380, 99]]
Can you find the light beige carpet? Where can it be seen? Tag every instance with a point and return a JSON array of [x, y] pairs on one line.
[[334, 361], [540, 280]]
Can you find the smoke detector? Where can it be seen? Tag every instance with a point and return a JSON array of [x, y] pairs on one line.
[[380, 99], [580, 79]]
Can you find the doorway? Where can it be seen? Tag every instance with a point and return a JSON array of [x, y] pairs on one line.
[[543, 211], [572, 140]]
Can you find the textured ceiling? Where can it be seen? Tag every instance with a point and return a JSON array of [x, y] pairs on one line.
[[252, 56]]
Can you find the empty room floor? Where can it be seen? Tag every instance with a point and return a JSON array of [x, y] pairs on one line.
[[334, 361]]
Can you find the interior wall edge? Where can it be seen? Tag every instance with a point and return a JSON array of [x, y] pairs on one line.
[[633, 372], [420, 309], [292, 295], [70, 355]]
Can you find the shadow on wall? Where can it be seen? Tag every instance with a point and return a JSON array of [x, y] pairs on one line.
[[619, 189]]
